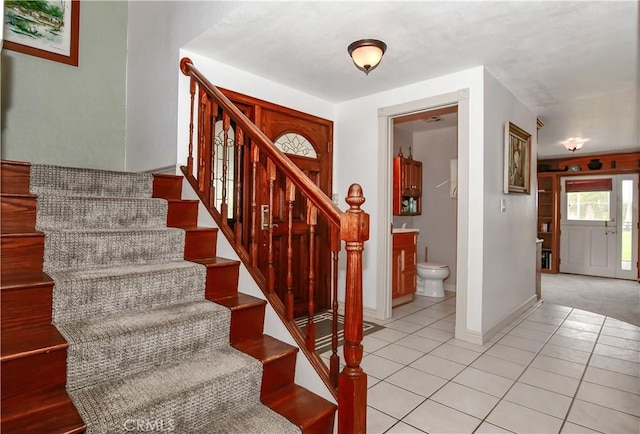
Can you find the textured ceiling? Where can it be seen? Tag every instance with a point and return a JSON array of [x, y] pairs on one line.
[[575, 64]]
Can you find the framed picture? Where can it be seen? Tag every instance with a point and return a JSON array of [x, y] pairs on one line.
[[517, 159], [43, 28]]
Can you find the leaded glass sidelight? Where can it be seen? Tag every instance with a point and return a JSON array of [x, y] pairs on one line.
[[219, 155]]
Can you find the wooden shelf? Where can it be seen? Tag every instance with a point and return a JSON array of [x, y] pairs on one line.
[[407, 186], [548, 216]]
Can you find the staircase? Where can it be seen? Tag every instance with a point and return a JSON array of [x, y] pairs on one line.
[[150, 330]]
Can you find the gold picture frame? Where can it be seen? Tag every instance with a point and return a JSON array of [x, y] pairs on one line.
[[517, 160]]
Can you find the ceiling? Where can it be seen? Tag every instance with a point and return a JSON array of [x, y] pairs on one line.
[[574, 64]]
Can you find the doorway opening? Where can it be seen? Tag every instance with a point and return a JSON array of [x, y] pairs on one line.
[[418, 109]]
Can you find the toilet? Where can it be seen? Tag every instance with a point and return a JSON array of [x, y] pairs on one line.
[[431, 279]]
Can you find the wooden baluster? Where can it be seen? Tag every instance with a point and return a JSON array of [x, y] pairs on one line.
[[352, 382], [253, 248], [291, 197], [202, 114], [224, 207], [192, 91], [271, 272], [312, 221], [237, 227], [334, 360]]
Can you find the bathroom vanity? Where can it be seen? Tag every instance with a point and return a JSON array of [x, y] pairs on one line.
[[404, 265]]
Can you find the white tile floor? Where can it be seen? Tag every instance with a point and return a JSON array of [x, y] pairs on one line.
[[554, 369]]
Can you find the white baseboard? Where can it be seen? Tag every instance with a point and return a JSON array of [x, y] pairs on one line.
[[165, 170], [509, 318], [479, 338]]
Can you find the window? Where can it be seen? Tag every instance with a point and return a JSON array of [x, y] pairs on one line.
[[589, 199]]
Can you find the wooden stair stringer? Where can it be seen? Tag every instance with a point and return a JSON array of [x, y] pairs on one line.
[[33, 352]]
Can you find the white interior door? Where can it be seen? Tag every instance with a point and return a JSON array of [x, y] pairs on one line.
[[599, 226]]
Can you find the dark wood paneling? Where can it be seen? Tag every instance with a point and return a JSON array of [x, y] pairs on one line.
[[167, 186], [17, 212], [200, 243], [26, 300], [222, 277], [278, 359], [14, 177], [27, 373], [247, 316], [182, 213], [313, 414], [21, 252], [51, 411]]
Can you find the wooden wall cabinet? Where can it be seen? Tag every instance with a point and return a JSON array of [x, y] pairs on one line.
[[407, 186], [404, 267], [549, 220]]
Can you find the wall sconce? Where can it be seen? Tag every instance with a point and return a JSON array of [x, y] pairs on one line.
[[367, 53], [574, 143]]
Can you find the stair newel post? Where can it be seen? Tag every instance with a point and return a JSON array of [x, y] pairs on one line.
[[253, 248], [352, 382], [312, 221], [291, 197], [237, 227], [226, 121], [271, 273], [334, 360]]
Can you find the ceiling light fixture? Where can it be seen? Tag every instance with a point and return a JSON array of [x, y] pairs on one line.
[[367, 53], [574, 143]]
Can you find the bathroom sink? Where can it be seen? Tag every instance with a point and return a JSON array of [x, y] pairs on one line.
[[404, 230]]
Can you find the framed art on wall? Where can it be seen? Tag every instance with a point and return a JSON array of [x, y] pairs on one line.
[[43, 28], [517, 159]]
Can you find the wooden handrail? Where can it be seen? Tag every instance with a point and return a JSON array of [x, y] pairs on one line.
[[310, 190], [350, 227]]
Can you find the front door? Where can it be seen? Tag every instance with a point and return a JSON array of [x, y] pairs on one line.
[[307, 141], [598, 226]]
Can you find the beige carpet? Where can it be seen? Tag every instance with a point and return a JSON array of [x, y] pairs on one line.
[[615, 298]]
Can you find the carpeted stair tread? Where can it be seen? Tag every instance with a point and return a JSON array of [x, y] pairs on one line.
[[100, 248], [89, 182], [82, 294], [193, 394], [121, 345], [259, 419], [74, 212]]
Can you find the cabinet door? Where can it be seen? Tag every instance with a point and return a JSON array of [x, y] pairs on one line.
[[416, 177], [407, 180], [396, 273]]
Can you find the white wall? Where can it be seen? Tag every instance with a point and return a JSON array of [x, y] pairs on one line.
[[54, 113], [438, 222], [157, 31], [249, 84], [356, 140], [509, 257]]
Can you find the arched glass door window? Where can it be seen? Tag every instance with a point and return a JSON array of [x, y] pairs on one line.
[[219, 157], [295, 144]]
